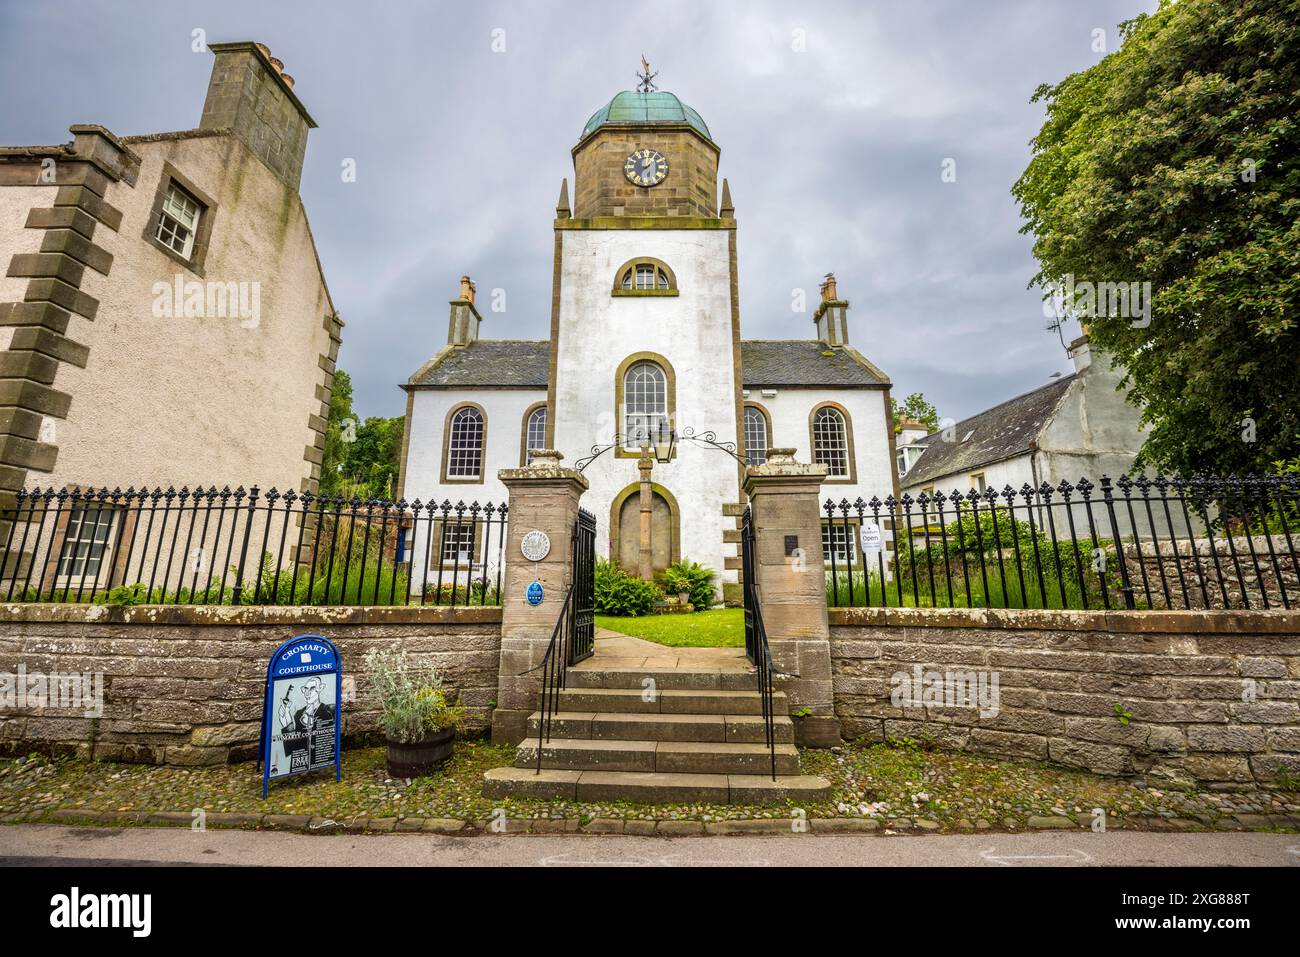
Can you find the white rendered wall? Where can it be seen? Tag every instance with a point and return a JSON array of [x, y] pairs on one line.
[[789, 411], [504, 410], [692, 331]]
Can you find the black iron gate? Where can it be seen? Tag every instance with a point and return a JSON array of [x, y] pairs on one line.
[[583, 608]]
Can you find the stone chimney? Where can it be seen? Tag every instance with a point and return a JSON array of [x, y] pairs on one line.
[[462, 327], [250, 94], [831, 315], [1081, 352]]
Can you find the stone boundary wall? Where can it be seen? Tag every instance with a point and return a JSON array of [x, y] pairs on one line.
[[1197, 570], [1210, 698], [184, 684]]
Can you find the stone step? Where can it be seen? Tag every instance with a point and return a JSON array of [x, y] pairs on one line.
[[653, 787], [634, 701], [665, 679], [671, 757], [613, 726]]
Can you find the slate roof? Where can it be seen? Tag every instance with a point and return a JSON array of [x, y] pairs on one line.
[[523, 364], [797, 362], [503, 363], [998, 433]]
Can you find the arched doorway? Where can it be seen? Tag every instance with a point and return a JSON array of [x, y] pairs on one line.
[[625, 528]]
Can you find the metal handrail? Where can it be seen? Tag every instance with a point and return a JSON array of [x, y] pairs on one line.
[[765, 670], [554, 668], [756, 646]]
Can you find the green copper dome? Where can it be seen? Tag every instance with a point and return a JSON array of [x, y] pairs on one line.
[[632, 107]]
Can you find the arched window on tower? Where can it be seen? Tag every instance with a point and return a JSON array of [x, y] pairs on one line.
[[639, 277], [645, 403], [830, 442], [757, 440]]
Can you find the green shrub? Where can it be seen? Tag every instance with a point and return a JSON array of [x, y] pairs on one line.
[[618, 593], [691, 577], [412, 702]]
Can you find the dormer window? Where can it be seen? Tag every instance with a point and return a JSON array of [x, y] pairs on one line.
[[645, 277]]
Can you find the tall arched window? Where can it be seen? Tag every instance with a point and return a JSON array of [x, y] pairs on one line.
[[534, 432], [757, 440], [830, 442], [463, 458], [645, 403]]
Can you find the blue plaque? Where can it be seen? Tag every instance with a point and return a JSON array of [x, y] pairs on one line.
[[302, 710], [535, 593]]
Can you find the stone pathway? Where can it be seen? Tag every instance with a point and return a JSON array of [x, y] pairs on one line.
[[617, 651]]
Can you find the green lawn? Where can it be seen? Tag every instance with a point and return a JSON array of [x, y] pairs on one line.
[[719, 628]]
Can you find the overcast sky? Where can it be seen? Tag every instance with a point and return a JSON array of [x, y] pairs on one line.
[[834, 120]]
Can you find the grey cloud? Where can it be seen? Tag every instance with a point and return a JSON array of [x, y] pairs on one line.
[[833, 154]]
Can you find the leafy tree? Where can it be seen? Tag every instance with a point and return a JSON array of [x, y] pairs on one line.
[[1176, 161], [361, 458], [336, 446], [915, 407]]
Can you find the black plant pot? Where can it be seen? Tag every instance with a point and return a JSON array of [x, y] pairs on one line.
[[422, 757]]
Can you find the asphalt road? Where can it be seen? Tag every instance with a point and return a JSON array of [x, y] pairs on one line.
[[29, 845]]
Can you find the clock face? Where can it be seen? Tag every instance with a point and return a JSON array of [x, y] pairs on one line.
[[646, 167]]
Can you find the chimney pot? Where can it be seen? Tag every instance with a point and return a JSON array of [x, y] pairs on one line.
[[830, 317], [278, 64], [288, 80], [467, 289]]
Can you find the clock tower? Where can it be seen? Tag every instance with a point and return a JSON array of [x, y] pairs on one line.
[[645, 333]]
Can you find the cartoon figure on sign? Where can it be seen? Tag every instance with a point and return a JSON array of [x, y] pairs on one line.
[[297, 727]]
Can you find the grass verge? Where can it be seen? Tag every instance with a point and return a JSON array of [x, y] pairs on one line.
[[717, 628]]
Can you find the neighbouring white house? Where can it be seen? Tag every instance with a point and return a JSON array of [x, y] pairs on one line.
[[645, 338], [909, 444], [1077, 426]]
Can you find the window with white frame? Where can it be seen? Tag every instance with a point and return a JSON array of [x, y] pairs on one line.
[[179, 221], [465, 444], [645, 403], [534, 433], [830, 441], [86, 544], [756, 438], [837, 542], [458, 544]]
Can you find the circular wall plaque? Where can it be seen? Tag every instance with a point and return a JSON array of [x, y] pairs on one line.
[[536, 545], [535, 593]]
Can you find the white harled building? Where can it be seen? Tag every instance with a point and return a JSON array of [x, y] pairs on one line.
[[645, 338]]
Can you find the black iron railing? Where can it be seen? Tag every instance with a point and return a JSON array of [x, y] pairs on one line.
[[574, 635], [756, 646], [1135, 543], [244, 547]]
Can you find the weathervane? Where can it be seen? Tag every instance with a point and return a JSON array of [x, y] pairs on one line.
[[645, 78]]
